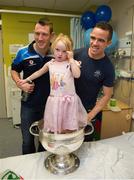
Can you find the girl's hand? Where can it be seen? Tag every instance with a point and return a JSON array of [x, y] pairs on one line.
[[70, 56], [21, 81]]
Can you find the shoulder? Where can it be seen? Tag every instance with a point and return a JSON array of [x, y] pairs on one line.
[[51, 62], [108, 62], [80, 54], [20, 54], [108, 67], [22, 50], [80, 50]]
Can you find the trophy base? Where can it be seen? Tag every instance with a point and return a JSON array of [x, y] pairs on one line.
[[62, 164]]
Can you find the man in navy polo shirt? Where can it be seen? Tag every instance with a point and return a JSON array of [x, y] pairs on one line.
[[97, 73], [28, 60]]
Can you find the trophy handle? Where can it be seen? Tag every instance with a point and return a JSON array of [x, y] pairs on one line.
[[91, 130], [34, 128]]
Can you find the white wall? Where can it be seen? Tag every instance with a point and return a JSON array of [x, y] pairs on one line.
[[123, 21], [3, 113], [122, 15]]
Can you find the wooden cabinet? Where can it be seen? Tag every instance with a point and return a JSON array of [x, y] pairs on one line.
[[114, 123]]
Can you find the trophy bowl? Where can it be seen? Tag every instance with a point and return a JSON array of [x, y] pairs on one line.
[[62, 160]]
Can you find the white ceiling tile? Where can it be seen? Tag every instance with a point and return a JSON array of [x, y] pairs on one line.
[[70, 5], [45, 4], [11, 2], [78, 6]]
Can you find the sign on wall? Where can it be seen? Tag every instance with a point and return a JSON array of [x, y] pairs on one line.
[[13, 48]]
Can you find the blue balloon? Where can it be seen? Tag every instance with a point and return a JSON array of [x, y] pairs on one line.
[[114, 45], [103, 13], [87, 37], [88, 20]]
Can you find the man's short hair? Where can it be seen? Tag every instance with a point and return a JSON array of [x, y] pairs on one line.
[[105, 26], [46, 22]]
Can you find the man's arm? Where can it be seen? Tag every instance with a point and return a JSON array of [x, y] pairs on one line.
[[15, 76], [25, 87], [101, 103]]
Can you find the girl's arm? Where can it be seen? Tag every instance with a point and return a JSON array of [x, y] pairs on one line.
[[75, 66], [35, 75], [17, 79], [38, 73]]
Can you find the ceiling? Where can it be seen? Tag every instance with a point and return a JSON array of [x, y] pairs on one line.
[[75, 6]]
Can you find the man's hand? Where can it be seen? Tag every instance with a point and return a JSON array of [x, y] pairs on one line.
[[26, 87], [90, 116]]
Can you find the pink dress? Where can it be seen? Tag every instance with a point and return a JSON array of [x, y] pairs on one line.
[[64, 109]]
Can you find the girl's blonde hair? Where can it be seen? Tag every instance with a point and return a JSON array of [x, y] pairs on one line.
[[65, 39]]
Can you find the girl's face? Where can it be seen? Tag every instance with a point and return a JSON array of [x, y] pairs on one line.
[[60, 52]]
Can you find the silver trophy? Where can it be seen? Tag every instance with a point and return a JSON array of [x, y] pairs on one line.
[[62, 160]]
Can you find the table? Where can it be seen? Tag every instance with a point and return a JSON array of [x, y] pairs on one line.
[[104, 159]]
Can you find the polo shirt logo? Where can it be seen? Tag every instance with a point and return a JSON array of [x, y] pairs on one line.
[[31, 63], [97, 74]]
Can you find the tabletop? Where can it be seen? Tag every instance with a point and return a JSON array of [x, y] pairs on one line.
[[104, 159]]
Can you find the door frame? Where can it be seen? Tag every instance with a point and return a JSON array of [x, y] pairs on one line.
[[3, 109]]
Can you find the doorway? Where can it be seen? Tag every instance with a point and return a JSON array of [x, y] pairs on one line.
[[3, 113]]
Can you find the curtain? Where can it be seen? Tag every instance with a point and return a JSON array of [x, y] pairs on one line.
[[76, 33]]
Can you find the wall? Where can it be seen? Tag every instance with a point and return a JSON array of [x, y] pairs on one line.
[[122, 20], [122, 15], [15, 30], [16, 27], [2, 82]]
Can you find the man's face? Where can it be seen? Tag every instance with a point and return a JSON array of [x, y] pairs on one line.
[[42, 36], [98, 42]]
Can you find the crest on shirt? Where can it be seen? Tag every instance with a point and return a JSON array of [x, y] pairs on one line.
[[31, 63], [97, 74]]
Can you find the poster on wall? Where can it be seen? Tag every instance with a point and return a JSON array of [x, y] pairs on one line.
[[13, 48]]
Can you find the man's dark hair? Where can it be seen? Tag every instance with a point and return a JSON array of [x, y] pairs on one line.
[[44, 22], [107, 27]]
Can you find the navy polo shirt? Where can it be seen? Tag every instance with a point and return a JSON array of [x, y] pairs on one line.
[[94, 75], [28, 61]]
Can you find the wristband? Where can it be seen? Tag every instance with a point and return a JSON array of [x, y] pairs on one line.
[[29, 80]]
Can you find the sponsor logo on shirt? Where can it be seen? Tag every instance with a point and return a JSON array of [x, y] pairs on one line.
[[97, 74], [31, 63]]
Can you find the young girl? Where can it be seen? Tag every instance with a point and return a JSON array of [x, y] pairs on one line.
[[64, 111]]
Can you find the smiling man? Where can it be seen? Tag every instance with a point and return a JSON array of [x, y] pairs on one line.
[[97, 73], [28, 60]]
